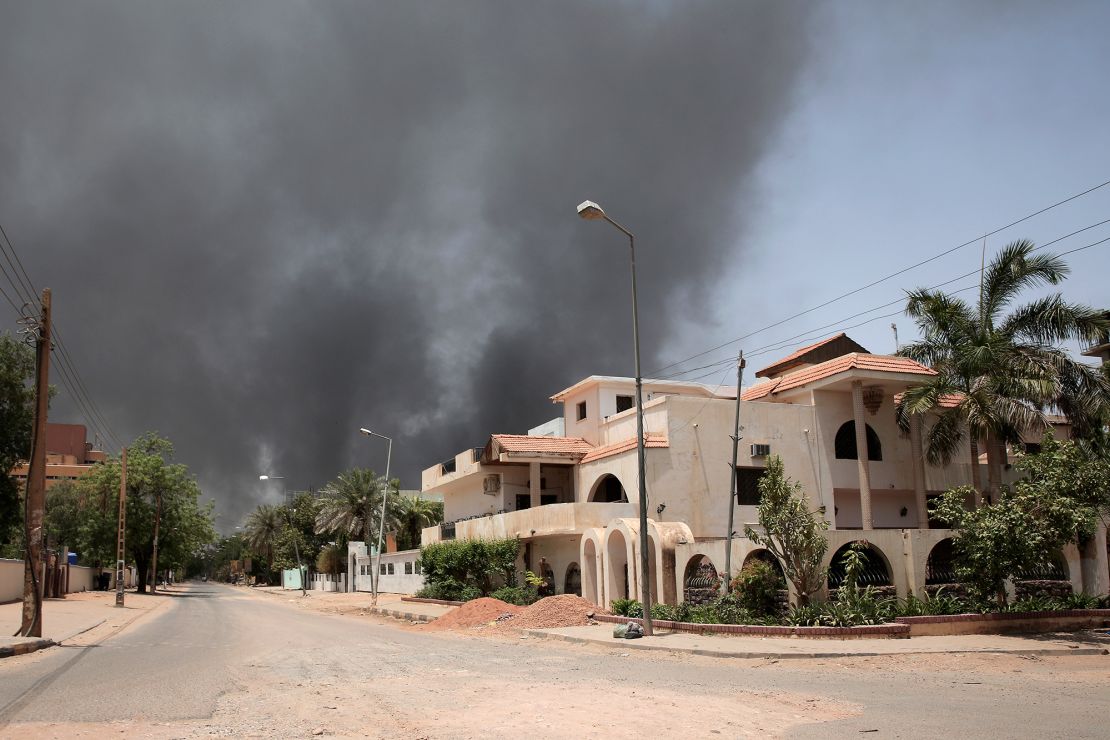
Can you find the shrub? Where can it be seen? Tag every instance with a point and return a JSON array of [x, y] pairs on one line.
[[938, 604], [519, 595], [627, 608], [757, 587], [463, 568]]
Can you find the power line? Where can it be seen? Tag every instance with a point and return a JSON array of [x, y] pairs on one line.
[[799, 337], [24, 289], [885, 278]]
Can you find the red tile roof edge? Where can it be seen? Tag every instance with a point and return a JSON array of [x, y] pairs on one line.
[[798, 353], [651, 440], [851, 361]]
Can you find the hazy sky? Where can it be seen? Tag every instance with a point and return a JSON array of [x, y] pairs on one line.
[[267, 224]]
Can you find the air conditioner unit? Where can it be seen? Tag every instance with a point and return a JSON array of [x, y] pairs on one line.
[[761, 450], [491, 485]]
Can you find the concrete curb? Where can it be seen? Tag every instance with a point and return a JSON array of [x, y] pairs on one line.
[[637, 644], [28, 646], [81, 631], [407, 616]]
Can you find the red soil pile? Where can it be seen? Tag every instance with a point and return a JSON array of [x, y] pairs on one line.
[[565, 610], [476, 613]]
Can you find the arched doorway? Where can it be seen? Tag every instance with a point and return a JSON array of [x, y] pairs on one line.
[[1048, 579], [940, 567], [608, 489], [572, 583], [590, 590], [616, 560], [765, 556], [700, 582], [875, 573]]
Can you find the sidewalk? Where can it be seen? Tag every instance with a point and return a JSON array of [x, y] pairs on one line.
[[1089, 642], [63, 619], [389, 605]]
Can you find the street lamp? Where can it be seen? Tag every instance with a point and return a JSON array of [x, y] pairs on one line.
[[293, 531], [381, 528], [592, 212]]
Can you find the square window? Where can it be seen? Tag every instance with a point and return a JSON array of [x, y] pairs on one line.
[[747, 485], [390, 569], [408, 568], [581, 410], [381, 569], [624, 403]]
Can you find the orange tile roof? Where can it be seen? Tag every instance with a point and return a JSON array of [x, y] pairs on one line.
[[542, 445], [947, 401], [650, 440], [852, 361]]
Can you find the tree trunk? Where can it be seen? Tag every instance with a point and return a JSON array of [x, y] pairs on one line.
[[141, 564], [975, 476], [994, 467]]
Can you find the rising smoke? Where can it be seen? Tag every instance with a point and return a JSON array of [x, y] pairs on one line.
[[267, 224]]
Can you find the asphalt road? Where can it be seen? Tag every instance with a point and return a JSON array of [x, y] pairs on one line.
[[224, 661]]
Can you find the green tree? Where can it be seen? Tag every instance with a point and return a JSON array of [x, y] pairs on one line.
[[1064, 493], [789, 531], [352, 505], [413, 515], [264, 528], [998, 373], [17, 369], [331, 560], [299, 535]]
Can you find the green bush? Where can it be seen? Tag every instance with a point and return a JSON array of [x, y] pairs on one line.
[[627, 608], [936, 605], [519, 595], [757, 587], [460, 570]]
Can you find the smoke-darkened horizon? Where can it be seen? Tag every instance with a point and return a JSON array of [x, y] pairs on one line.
[[268, 224]]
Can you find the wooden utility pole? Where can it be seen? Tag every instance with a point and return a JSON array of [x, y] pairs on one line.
[[120, 570], [35, 500]]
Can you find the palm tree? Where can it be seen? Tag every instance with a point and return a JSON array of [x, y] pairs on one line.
[[999, 374], [263, 527], [352, 504], [413, 514]]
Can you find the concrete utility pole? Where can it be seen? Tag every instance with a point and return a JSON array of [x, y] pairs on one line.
[[120, 577], [732, 495], [35, 502]]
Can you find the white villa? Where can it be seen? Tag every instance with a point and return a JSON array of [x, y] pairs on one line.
[[568, 489]]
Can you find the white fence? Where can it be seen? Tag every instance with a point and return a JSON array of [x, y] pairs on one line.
[[325, 582], [81, 578]]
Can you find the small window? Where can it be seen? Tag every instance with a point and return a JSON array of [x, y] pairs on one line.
[[419, 570], [581, 410], [624, 403], [548, 498], [747, 485], [381, 569], [408, 568], [390, 569]]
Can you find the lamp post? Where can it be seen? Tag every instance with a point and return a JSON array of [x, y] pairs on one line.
[[592, 212], [381, 527], [296, 550]]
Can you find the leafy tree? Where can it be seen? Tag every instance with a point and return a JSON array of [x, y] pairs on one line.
[[299, 535], [789, 530], [331, 560], [264, 528], [17, 369], [163, 492], [352, 504], [998, 373], [1060, 501], [413, 514]]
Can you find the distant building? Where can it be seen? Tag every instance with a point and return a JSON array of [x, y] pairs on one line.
[[69, 455]]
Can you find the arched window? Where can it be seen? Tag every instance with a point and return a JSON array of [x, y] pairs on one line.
[[845, 443]]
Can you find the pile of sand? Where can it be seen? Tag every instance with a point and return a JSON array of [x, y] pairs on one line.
[[565, 610], [476, 613]]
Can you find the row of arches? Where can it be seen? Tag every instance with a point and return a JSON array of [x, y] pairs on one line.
[[700, 571]]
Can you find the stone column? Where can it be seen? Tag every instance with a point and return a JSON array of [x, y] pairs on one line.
[[534, 483], [918, 460], [861, 455]]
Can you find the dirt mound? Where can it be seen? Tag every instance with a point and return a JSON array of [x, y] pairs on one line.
[[474, 613], [565, 610]]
